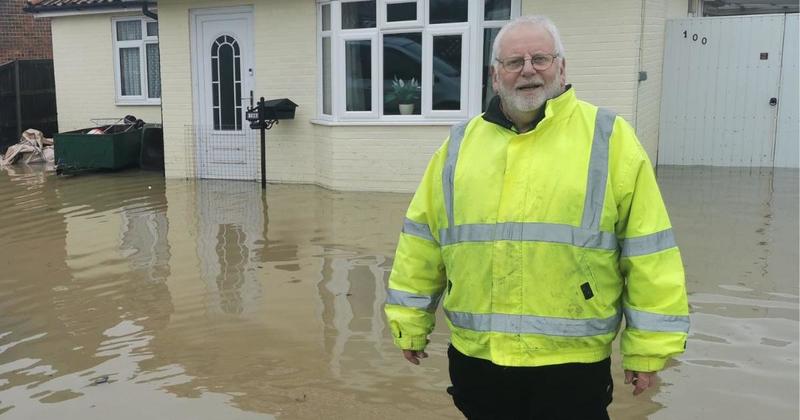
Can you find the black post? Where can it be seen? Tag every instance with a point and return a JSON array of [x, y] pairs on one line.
[[263, 124]]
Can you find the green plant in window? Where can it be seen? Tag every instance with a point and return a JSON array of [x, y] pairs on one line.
[[403, 91]]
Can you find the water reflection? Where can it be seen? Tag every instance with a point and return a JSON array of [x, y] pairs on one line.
[[738, 229], [231, 224]]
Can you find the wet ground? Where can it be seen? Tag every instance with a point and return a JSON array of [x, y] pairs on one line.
[[126, 296]]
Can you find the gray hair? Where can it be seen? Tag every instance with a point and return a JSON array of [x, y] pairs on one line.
[[533, 20]]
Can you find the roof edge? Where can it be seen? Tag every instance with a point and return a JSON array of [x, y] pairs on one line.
[[31, 8]]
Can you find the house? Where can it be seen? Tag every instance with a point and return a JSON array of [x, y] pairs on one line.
[[195, 65]]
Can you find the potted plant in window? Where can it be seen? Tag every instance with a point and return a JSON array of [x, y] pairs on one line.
[[406, 93]]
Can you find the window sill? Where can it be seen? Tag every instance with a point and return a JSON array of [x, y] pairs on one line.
[[133, 103], [373, 123]]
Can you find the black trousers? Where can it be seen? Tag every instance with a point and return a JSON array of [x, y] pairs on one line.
[[572, 391]]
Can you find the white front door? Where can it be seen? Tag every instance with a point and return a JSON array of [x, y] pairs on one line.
[[222, 49]]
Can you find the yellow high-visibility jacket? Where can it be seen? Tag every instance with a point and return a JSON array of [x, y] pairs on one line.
[[538, 243]]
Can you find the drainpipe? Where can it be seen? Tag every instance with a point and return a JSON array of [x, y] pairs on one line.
[[639, 64], [148, 13]]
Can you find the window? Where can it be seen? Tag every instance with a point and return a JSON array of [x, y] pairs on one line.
[[226, 83], [406, 60], [136, 61]]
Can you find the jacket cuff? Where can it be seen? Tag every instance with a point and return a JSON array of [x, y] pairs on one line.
[[643, 363], [417, 343]]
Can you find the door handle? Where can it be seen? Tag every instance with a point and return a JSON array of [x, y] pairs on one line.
[[250, 98], [773, 101]]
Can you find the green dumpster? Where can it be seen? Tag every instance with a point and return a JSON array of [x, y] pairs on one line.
[[118, 147]]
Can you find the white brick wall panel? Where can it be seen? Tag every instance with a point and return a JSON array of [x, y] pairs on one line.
[[649, 91]]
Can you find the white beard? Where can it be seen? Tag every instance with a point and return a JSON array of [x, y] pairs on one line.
[[524, 103]]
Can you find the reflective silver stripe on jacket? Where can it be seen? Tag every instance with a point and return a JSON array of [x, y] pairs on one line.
[[586, 236], [649, 321], [398, 297], [448, 173], [421, 230], [648, 244], [529, 324], [540, 232], [598, 170]]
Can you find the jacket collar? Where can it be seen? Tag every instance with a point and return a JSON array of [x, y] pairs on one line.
[[553, 108]]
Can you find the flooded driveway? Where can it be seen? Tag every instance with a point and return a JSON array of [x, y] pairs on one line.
[[124, 295]]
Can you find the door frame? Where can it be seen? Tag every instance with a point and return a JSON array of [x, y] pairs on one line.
[[197, 65]]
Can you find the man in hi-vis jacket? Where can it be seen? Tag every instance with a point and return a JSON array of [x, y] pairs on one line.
[[539, 225]]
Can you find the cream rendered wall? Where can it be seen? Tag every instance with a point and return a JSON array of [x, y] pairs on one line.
[[83, 58]]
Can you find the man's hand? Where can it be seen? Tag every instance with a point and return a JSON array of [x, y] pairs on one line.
[[413, 356], [640, 380]]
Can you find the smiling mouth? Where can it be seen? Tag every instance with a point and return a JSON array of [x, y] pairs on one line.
[[529, 87]]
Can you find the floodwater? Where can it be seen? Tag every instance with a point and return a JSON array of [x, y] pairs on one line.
[[127, 296]]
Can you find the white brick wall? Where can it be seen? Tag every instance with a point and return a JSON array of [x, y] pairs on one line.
[[286, 68], [677, 8], [176, 87], [648, 100], [603, 55], [602, 45], [83, 58], [376, 158]]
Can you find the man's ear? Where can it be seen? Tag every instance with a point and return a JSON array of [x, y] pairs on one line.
[[494, 77], [563, 72]]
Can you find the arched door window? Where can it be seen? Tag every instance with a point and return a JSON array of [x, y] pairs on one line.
[[226, 83]]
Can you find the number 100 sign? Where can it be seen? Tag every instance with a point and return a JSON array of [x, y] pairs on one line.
[[695, 37]]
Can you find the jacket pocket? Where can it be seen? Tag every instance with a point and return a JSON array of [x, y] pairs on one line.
[[587, 284]]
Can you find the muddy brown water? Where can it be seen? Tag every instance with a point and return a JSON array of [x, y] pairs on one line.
[[127, 296]]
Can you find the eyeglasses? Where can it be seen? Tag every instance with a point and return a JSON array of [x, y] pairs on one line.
[[540, 62]]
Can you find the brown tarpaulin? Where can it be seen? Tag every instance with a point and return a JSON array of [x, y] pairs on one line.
[[33, 147]]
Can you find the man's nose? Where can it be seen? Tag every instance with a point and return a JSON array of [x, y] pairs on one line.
[[527, 67]]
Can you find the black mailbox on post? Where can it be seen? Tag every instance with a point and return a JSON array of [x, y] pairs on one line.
[[279, 109], [262, 117], [265, 114]]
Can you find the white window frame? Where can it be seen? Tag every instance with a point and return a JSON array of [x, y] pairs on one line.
[[476, 62], [471, 61], [335, 22], [340, 89], [427, 70], [141, 44], [383, 15]]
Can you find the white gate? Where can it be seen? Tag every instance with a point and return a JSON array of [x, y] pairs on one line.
[[787, 153], [723, 90]]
